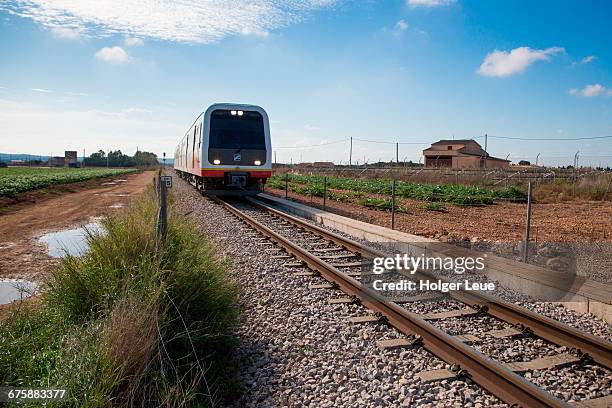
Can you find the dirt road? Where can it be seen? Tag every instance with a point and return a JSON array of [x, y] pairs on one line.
[[22, 256]]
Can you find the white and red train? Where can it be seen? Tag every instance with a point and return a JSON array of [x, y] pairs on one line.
[[227, 150]]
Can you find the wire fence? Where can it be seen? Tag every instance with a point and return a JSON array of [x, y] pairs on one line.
[[360, 151]]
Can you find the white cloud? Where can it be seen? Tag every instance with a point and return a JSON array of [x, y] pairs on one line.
[[503, 63], [590, 91], [587, 59], [76, 93], [429, 3], [90, 129], [113, 54], [41, 90], [400, 27], [193, 21], [69, 33], [133, 41]]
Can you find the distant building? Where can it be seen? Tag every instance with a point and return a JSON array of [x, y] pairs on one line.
[[315, 165], [57, 161], [323, 164], [70, 159], [461, 154]]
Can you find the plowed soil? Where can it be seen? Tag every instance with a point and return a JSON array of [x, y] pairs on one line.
[[575, 221]]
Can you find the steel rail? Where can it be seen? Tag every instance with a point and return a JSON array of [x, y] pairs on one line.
[[595, 348], [492, 376]]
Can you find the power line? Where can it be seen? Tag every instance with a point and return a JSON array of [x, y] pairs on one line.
[[550, 139], [309, 146]]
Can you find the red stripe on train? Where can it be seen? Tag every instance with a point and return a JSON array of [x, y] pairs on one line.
[[221, 173]]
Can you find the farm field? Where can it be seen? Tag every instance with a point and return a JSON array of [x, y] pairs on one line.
[[346, 189], [501, 220], [18, 180]]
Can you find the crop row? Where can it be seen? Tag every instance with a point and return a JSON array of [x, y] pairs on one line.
[[441, 193], [15, 181]]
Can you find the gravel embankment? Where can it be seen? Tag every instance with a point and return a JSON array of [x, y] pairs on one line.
[[295, 349], [506, 350], [585, 322]]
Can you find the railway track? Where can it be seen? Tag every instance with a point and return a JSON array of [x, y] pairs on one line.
[[340, 261]]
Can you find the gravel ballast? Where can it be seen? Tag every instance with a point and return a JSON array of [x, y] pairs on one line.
[[295, 349]]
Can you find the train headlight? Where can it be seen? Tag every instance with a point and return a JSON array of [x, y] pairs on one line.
[[240, 113], [257, 163], [216, 161], [233, 113]]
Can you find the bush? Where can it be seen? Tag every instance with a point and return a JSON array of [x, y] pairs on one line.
[[133, 322]]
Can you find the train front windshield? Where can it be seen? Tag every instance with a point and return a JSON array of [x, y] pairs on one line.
[[236, 129]]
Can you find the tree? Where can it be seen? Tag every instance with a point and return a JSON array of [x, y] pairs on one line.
[[145, 159]]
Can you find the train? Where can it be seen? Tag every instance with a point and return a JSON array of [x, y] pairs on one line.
[[227, 150]]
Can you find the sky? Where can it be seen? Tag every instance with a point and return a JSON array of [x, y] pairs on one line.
[[134, 74]]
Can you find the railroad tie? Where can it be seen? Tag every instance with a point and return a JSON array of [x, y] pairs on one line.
[[352, 264], [449, 314], [601, 402], [436, 375], [467, 338], [293, 264], [305, 273], [338, 301], [500, 334], [543, 362], [418, 298], [335, 249], [394, 344], [364, 319], [337, 256], [320, 286]]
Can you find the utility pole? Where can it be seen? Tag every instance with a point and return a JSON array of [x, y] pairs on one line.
[[275, 162], [485, 160], [107, 158], [574, 175], [351, 153], [527, 225], [537, 157], [397, 153]]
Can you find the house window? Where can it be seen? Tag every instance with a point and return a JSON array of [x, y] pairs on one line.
[[449, 148]]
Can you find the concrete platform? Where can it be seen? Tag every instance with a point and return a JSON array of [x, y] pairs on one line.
[[577, 293]]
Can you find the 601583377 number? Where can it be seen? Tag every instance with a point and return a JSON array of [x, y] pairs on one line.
[[10, 394]]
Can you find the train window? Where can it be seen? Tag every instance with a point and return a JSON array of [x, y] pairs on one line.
[[229, 131]]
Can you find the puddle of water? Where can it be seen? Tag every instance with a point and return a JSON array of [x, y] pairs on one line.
[[11, 290], [118, 205], [122, 195], [110, 183], [72, 242], [120, 180]]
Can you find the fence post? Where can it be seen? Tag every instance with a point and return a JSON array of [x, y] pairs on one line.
[[393, 205], [162, 219], [324, 190], [286, 185], [528, 226]]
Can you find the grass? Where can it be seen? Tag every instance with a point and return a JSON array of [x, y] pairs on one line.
[[17, 180], [593, 187], [438, 207], [382, 204], [135, 322], [446, 193]]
